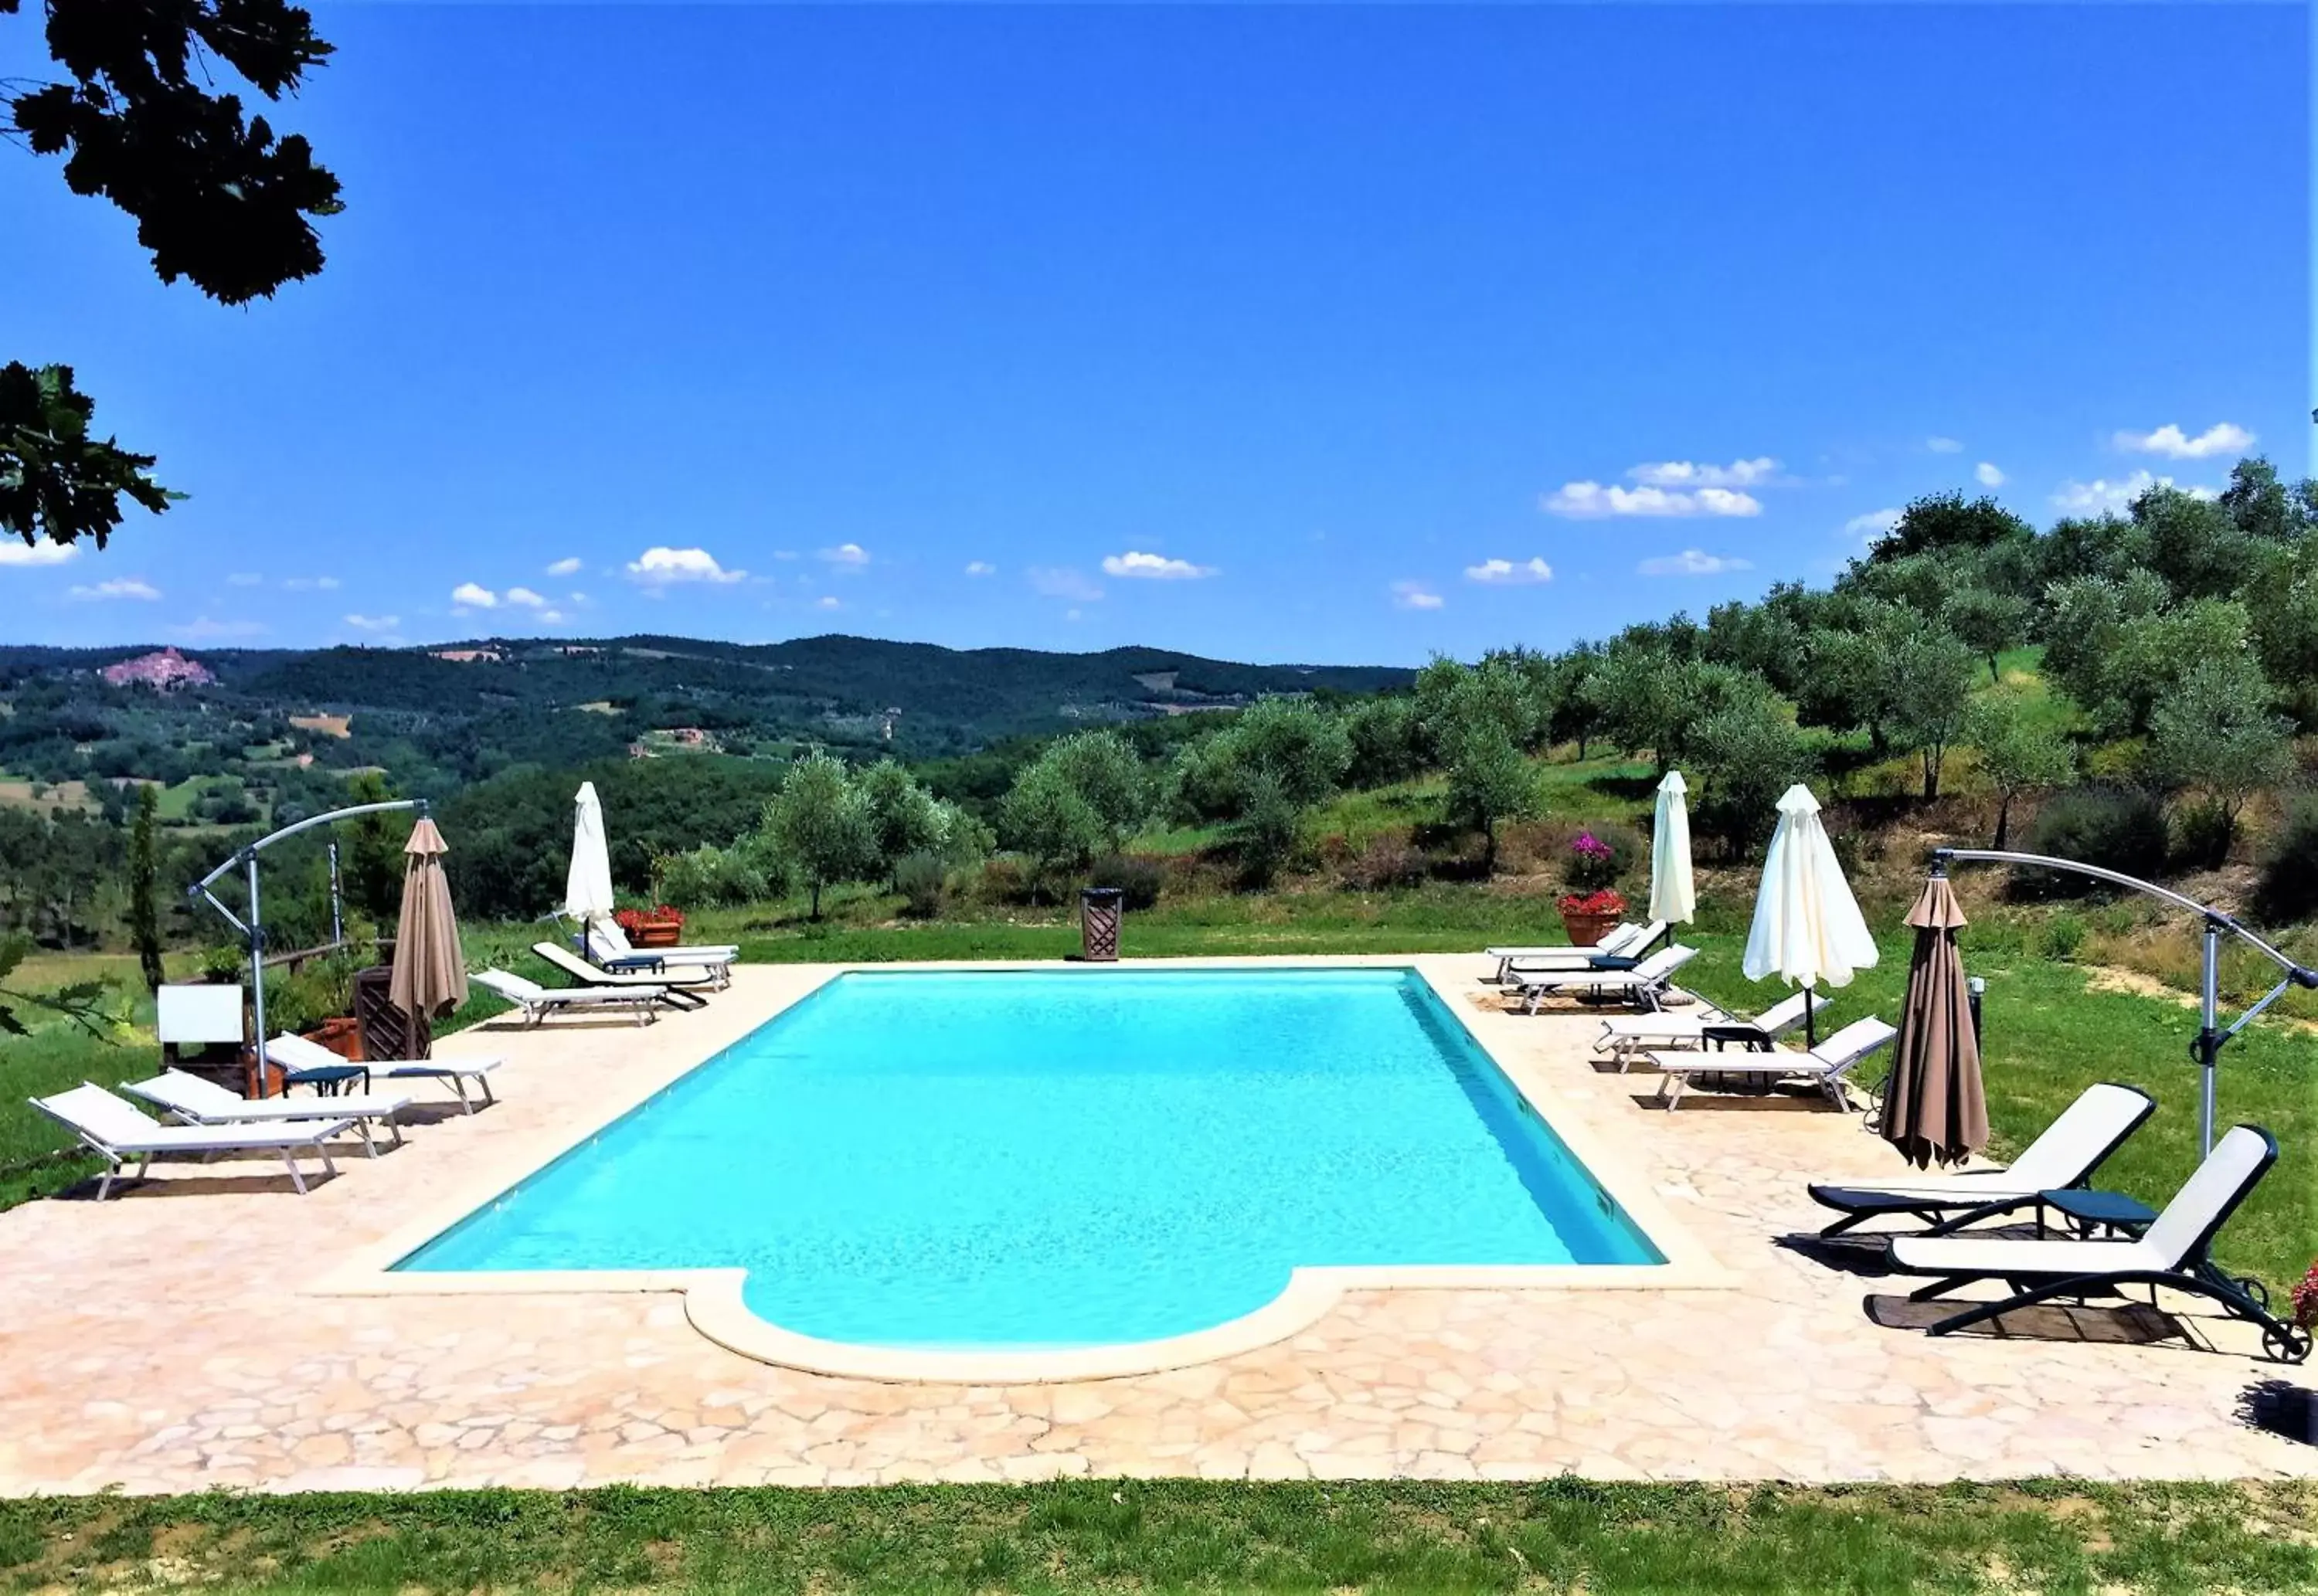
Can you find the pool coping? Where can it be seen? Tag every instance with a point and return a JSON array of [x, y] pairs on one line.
[[712, 1300]]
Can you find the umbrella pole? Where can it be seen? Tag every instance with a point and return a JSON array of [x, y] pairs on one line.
[[2208, 1049], [258, 973], [1810, 1016]]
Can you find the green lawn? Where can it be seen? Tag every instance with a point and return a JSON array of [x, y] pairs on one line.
[[1128, 1536]]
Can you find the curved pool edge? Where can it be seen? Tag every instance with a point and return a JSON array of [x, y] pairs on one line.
[[714, 1305], [716, 1310]]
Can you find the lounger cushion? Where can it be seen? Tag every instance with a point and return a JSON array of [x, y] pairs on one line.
[[2006, 1258]]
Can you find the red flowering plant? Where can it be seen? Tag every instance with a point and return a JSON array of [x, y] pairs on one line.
[[2305, 1300], [1602, 901], [630, 920]]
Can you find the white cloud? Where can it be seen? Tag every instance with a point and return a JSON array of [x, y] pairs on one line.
[[2102, 497], [1060, 581], [310, 584], [1692, 562], [373, 622], [660, 566], [827, 601], [565, 566], [1589, 499], [1415, 595], [850, 555], [552, 617], [243, 578], [1507, 573], [1154, 568], [1987, 475], [1944, 446], [472, 596], [1872, 525], [980, 568], [1684, 473], [202, 629], [116, 588], [2223, 437], [527, 598], [13, 552]]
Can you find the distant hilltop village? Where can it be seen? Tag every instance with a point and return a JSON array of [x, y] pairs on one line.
[[165, 670]]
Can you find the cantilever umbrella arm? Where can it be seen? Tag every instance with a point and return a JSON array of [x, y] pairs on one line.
[[253, 929], [2207, 1050]]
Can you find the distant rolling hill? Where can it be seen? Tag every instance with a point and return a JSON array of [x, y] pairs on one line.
[[937, 700]]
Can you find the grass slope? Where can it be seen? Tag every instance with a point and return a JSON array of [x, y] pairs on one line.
[[1185, 1536]]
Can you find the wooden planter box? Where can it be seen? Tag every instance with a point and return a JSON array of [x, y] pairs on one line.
[[1586, 930], [656, 934]]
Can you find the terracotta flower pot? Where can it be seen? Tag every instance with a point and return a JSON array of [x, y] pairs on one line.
[[656, 933], [1586, 930], [342, 1035]]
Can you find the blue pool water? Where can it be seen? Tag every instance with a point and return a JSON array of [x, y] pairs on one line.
[[1064, 1158]]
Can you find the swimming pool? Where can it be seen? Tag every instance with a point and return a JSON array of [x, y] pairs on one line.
[[1047, 1159]]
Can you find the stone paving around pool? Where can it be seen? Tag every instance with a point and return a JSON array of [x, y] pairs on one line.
[[179, 1336]]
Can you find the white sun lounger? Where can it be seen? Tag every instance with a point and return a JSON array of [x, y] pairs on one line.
[[537, 1001], [607, 944], [111, 1128], [297, 1052], [1622, 941], [2064, 1155], [2173, 1253], [1625, 1034], [1644, 985], [679, 990], [1824, 1066], [195, 1101]]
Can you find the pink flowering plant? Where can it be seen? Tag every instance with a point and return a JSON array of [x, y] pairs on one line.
[[1592, 865]]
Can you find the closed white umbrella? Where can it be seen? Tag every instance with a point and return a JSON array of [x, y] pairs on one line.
[[1808, 928], [588, 890], [1674, 898]]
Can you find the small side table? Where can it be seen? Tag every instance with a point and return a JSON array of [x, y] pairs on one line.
[[329, 1080], [634, 964], [2093, 1212]]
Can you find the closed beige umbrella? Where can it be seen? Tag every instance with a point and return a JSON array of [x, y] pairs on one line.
[[430, 969], [1933, 1106]]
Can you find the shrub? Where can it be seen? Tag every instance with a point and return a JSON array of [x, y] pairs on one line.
[[1590, 863], [2202, 834], [2063, 936], [1266, 832], [2288, 890], [923, 881], [1389, 860], [709, 876], [1140, 878], [2116, 828], [1005, 880]]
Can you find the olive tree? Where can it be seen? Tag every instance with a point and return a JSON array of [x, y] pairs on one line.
[[1107, 773], [1262, 773], [819, 825], [905, 818], [2019, 752], [1484, 720], [2214, 731], [1046, 816]]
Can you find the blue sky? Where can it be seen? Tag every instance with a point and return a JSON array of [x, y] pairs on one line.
[[1298, 333]]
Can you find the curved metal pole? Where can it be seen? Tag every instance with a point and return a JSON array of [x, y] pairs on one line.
[[255, 931], [2207, 1049]]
